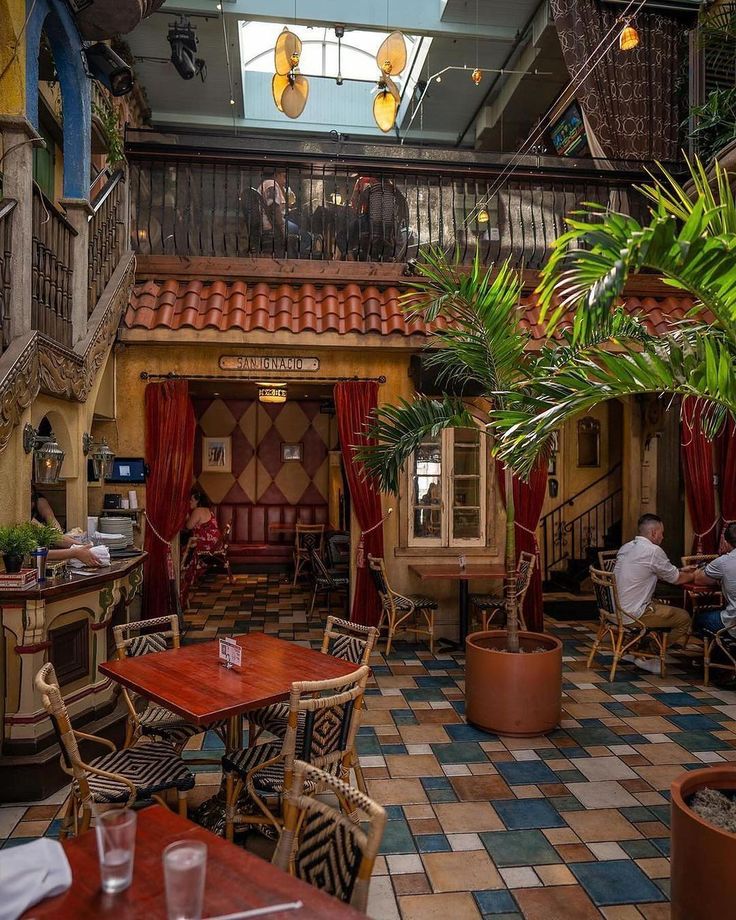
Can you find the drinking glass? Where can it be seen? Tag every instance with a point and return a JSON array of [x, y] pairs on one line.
[[116, 848], [185, 865]]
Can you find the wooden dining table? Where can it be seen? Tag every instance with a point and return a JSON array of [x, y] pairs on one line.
[[453, 571], [235, 880]]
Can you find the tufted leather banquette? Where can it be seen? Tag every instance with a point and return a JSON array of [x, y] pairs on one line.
[[252, 536]]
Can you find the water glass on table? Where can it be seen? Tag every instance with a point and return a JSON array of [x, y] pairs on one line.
[[185, 866], [116, 848]]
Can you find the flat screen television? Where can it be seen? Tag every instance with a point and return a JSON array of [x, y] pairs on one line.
[[124, 470], [568, 132]]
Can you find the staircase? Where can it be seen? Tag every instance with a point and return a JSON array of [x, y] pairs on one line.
[[570, 541]]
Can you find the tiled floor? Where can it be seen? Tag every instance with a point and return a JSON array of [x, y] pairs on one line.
[[569, 826]]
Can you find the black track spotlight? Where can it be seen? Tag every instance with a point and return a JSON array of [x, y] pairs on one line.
[[109, 68], [183, 40]]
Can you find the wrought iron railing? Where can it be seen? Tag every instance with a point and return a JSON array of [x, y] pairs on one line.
[[7, 206], [106, 236], [52, 260], [565, 538], [187, 204]]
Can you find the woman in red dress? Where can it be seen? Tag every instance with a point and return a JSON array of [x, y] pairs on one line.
[[204, 540]]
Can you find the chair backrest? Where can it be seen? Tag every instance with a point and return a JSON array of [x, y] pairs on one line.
[[524, 571], [319, 569], [378, 574], [606, 595], [309, 535], [338, 548], [133, 640], [607, 559], [327, 849], [382, 205], [698, 558], [323, 720], [53, 702], [348, 641]]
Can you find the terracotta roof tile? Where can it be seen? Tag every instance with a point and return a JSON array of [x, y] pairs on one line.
[[347, 309]]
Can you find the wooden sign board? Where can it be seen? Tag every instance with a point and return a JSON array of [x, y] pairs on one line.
[[271, 364]]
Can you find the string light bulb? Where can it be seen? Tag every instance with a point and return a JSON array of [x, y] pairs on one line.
[[476, 76], [629, 38]]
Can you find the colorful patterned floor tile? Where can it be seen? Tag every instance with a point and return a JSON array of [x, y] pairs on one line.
[[573, 825]]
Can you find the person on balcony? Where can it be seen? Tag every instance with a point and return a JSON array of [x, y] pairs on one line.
[[722, 572], [205, 538], [639, 565], [275, 219]]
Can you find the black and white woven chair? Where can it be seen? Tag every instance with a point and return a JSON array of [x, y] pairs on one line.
[[323, 847], [342, 639], [321, 727], [326, 582], [401, 613], [491, 605], [306, 538], [133, 775], [607, 559], [725, 643], [151, 720]]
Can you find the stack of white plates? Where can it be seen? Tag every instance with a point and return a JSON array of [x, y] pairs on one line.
[[120, 530]]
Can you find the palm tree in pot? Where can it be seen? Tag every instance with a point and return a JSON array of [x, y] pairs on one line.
[[479, 344], [690, 242]]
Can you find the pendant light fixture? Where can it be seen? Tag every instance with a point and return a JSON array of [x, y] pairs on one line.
[[391, 59], [289, 88], [629, 37]]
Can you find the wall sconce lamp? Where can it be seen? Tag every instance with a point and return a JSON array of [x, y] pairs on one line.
[[101, 456], [47, 455]]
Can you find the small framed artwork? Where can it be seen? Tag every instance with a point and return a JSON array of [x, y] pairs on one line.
[[292, 452], [217, 455]]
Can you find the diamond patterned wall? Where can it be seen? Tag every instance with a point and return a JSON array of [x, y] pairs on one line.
[[258, 475]]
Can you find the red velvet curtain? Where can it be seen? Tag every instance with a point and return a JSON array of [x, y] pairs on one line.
[[170, 426], [528, 501], [355, 400], [727, 477], [697, 468]]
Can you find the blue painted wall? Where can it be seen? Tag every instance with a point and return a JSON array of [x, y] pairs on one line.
[[66, 44]]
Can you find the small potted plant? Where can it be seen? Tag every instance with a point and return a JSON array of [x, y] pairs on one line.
[[46, 537], [16, 541]]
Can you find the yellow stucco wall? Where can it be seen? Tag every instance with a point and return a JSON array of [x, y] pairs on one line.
[[12, 57]]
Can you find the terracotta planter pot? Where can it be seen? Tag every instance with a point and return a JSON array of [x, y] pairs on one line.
[[703, 856], [513, 694]]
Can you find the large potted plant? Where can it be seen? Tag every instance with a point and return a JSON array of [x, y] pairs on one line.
[[689, 241], [513, 677], [16, 541]]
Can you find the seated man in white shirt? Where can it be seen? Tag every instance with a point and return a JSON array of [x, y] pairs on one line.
[[639, 564], [721, 571]]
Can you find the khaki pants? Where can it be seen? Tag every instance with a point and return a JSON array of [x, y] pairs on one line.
[[677, 619]]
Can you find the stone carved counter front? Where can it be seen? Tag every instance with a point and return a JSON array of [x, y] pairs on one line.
[[69, 622]]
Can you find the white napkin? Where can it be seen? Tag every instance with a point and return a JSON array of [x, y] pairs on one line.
[[97, 535], [29, 873], [101, 553]]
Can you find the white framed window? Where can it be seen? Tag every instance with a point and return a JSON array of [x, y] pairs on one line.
[[447, 490]]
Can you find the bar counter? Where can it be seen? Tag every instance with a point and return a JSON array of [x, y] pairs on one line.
[[67, 621]]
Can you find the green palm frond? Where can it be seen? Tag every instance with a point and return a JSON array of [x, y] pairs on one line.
[[400, 430]]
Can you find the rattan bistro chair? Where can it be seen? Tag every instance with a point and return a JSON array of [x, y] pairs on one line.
[[321, 728], [725, 642], [152, 720], [607, 559], [492, 604], [308, 536], [327, 582], [401, 613], [624, 632], [342, 639], [323, 847], [131, 775]]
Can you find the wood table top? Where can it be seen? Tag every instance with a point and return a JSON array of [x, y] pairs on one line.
[[453, 572], [192, 682], [54, 588], [235, 880]]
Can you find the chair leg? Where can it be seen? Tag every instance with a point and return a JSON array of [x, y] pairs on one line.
[[297, 569], [707, 645], [85, 820], [596, 645], [359, 778], [69, 818], [228, 569], [229, 807], [311, 606], [391, 629], [182, 797]]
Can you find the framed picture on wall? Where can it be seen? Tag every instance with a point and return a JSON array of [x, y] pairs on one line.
[[217, 455], [292, 452]]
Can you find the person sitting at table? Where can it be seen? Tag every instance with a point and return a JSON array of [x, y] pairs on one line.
[[43, 513], [639, 564], [275, 219], [722, 572], [204, 539]]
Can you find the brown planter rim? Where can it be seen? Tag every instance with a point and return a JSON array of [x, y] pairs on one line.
[[552, 643], [720, 778]]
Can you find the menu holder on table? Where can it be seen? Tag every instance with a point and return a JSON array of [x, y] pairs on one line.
[[230, 653]]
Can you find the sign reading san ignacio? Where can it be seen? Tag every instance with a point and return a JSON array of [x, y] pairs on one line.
[[273, 363]]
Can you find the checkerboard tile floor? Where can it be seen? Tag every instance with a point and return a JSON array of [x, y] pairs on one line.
[[569, 826]]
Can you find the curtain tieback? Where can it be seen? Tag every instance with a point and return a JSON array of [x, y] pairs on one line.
[[155, 532], [707, 529], [528, 530]]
